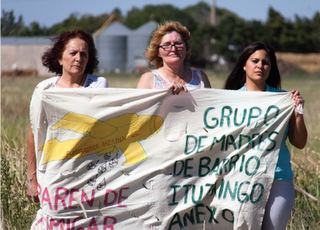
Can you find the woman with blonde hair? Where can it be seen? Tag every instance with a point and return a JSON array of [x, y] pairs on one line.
[[168, 48]]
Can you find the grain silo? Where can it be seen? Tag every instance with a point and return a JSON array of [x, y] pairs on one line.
[[112, 48], [138, 40]]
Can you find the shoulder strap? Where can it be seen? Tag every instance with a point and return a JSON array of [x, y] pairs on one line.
[[199, 74]]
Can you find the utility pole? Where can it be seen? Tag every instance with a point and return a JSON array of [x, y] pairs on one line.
[[213, 19]]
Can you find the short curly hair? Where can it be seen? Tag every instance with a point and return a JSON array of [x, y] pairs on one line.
[[152, 51], [51, 57]]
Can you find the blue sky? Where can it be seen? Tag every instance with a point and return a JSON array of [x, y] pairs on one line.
[[50, 12]]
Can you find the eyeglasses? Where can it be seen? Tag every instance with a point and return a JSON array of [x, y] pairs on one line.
[[168, 46]]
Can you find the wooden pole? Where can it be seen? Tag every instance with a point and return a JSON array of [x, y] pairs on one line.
[[103, 26]]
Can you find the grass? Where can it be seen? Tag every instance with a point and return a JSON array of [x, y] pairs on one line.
[[18, 212]]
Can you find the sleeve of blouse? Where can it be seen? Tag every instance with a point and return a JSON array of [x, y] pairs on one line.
[[102, 83]]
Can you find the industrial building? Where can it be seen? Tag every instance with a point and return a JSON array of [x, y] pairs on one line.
[[120, 49], [22, 55]]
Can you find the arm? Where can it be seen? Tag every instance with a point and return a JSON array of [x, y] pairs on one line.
[[205, 80], [146, 81], [32, 191], [297, 130]]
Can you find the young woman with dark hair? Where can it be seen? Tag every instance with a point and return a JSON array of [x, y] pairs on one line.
[[256, 70]]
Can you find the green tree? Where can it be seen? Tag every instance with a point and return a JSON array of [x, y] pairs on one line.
[[67, 24], [232, 34], [304, 30], [201, 36], [90, 23], [35, 29], [315, 34], [118, 14], [229, 37], [159, 13], [201, 51], [200, 12], [274, 27], [86, 22], [9, 25]]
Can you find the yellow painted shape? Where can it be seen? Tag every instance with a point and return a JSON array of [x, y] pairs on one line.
[[122, 120], [85, 125], [130, 129]]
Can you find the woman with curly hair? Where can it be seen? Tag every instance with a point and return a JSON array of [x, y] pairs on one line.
[[73, 57], [168, 48]]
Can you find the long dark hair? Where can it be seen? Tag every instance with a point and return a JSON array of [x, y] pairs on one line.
[[51, 57], [237, 77]]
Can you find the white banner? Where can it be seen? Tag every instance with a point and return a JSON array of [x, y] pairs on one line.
[[146, 159]]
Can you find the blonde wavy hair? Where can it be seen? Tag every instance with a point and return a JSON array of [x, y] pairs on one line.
[[152, 51]]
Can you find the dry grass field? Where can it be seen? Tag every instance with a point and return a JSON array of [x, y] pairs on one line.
[[18, 213], [307, 62]]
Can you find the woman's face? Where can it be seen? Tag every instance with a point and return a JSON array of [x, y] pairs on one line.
[[75, 57], [257, 67], [177, 52]]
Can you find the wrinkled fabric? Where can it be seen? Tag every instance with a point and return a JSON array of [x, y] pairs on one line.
[[147, 159]]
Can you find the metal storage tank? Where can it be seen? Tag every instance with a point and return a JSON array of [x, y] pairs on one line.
[[138, 41], [112, 48]]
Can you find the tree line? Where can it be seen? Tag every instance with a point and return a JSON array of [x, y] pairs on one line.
[[226, 39]]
